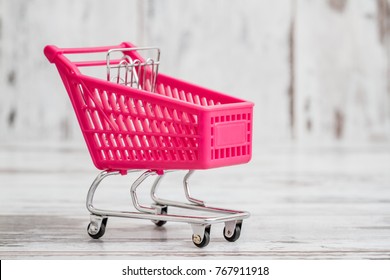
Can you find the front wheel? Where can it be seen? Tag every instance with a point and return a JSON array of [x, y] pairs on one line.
[[198, 242], [91, 229], [202, 242]]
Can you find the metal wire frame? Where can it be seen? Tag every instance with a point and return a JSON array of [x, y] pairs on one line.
[[153, 212], [137, 72]]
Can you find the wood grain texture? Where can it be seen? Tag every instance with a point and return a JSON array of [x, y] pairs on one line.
[[306, 203], [342, 71], [240, 48], [318, 71], [34, 104]]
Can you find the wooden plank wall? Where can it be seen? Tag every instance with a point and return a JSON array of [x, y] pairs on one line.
[[342, 69], [318, 70]]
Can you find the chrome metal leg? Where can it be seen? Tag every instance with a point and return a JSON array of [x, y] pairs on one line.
[[194, 206], [158, 213], [94, 186], [187, 189], [133, 193], [153, 190]]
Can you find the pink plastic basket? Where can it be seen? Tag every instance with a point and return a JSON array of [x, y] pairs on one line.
[[178, 126]]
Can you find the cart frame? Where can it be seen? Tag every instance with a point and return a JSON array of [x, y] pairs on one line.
[[206, 119]]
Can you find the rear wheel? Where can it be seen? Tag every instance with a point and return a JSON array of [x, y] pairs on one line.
[[159, 223], [236, 234]]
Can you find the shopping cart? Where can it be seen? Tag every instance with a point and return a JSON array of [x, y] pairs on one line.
[[135, 119]]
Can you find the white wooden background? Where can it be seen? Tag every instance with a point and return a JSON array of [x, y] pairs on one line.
[[318, 70]]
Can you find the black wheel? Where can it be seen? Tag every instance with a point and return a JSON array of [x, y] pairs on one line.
[[236, 234], [205, 241], [164, 211], [101, 231]]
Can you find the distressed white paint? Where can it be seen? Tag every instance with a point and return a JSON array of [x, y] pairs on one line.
[[238, 47], [341, 66], [43, 110]]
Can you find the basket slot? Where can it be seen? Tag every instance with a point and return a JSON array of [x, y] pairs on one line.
[[154, 127], [152, 141], [114, 104], [140, 108], [144, 143], [175, 93], [131, 107], [102, 155], [96, 99], [185, 96], [136, 141], [164, 128], [122, 106], [104, 100], [148, 85], [89, 120], [149, 127], [97, 122], [137, 125], [167, 115], [204, 101], [182, 96], [158, 112], [189, 97], [197, 100], [97, 140], [168, 91], [161, 89], [149, 112], [121, 124], [144, 125], [175, 116], [128, 141], [130, 124]]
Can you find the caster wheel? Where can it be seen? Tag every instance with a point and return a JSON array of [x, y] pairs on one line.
[[204, 242], [101, 231], [164, 211], [236, 234]]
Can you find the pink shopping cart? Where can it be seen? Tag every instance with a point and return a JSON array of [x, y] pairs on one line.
[[135, 119]]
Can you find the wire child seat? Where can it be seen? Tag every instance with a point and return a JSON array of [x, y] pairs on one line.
[[139, 120]]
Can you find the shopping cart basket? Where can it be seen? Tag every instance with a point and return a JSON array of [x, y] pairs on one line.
[[135, 119]]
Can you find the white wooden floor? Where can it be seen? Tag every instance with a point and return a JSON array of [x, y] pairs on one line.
[[306, 203]]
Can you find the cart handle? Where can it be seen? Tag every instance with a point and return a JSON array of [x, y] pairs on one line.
[[54, 55], [52, 51]]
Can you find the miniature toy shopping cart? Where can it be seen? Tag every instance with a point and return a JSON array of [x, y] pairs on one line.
[[135, 119]]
